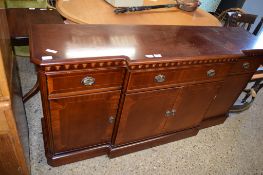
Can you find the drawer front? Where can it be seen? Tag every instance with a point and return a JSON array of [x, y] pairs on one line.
[[81, 81], [246, 66], [148, 79]]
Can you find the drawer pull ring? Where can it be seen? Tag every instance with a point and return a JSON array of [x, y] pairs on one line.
[[159, 78], [88, 81], [170, 113], [246, 65], [111, 119], [211, 73]]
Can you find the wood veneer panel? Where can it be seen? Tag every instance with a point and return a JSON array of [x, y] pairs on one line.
[[82, 43], [3, 123], [8, 160], [12, 108], [227, 95], [143, 114], [72, 81], [20, 20], [6, 58], [202, 57], [83, 121]]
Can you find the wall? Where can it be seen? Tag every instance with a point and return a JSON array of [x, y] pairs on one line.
[[209, 5]]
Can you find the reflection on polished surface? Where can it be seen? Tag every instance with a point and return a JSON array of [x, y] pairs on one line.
[[122, 45], [136, 42], [100, 12], [100, 52]]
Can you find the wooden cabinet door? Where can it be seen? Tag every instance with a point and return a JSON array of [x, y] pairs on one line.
[[191, 106], [227, 95], [83, 121], [143, 114]]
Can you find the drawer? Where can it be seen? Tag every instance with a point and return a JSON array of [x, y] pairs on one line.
[[193, 74], [246, 66], [82, 81]]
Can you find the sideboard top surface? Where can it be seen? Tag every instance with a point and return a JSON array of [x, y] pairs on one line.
[[67, 43]]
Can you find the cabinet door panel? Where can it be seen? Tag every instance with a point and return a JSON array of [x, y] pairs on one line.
[[143, 114], [83, 121], [227, 95], [191, 106]]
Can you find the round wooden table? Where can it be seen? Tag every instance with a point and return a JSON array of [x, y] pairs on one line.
[[100, 12]]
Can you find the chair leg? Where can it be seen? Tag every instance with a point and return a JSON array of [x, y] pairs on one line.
[[31, 93], [245, 104]]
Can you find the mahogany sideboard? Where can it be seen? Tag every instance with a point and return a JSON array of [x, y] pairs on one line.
[[112, 89]]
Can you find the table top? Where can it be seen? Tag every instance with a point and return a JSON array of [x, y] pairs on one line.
[[19, 20], [100, 12], [84, 43]]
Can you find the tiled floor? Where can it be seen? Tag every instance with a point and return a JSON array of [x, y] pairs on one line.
[[235, 147]]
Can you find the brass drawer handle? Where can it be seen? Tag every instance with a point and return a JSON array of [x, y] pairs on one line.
[[246, 65], [211, 73], [168, 113], [173, 112], [111, 119], [88, 81], [159, 78]]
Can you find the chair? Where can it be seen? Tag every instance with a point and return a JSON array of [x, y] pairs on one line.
[[223, 16], [256, 84], [237, 19], [257, 29]]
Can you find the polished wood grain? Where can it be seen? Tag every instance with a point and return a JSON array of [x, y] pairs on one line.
[[5, 57], [144, 108], [233, 86], [142, 80], [95, 43], [198, 66], [90, 113], [14, 125], [190, 106], [100, 12], [8, 160], [155, 119], [21, 19], [3, 122], [116, 151], [252, 66], [63, 83]]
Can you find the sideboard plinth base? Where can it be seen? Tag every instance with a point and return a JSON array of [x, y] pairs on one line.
[[149, 143]]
